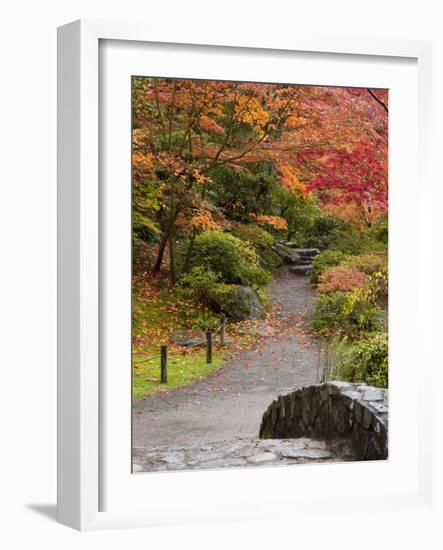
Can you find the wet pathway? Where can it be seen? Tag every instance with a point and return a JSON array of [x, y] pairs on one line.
[[225, 409]]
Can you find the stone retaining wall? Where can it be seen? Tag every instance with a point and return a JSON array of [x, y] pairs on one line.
[[333, 410]]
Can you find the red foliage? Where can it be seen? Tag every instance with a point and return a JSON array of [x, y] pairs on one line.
[[341, 278]]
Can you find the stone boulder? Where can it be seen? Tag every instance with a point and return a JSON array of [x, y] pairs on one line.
[[288, 255], [244, 304], [307, 252], [289, 244], [185, 338]]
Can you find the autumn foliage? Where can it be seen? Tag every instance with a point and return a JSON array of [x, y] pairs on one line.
[[341, 278], [330, 142]]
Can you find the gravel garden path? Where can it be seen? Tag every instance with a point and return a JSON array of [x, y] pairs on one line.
[[196, 425]]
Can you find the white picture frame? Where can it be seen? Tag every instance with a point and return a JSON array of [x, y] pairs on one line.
[[80, 395]]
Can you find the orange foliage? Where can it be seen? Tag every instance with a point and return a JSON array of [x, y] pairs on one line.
[[275, 222]]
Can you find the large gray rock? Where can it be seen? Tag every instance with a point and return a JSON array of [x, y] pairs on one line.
[[288, 255], [185, 338], [244, 304], [307, 252], [267, 456]]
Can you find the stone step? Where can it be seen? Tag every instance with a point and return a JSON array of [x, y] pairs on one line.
[[307, 252], [289, 244], [241, 452], [300, 269]]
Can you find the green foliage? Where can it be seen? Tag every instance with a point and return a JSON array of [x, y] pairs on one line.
[[328, 312], [200, 282], [320, 233], [368, 263], [242, 192], [299, 212], [379, 230], [377, 287], [270, 258], [360, 314], [254, 234], [351, 314], [262, 241], [353, 242], [235, 261], [364, 360], [324, 260], [204, 285]]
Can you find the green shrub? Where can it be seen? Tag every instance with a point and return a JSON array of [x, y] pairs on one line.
[[255, 235], [328, 258], [377, 287], [235, 261], [361, 313], [353, 242], [204, 285], [380, 230], [365, 360], [352, 314], [262, 242], [321, 231], [368, 263], [270, 258], [328, 312], [199, 281]]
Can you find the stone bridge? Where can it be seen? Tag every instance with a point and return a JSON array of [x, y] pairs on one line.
[[334, 410]]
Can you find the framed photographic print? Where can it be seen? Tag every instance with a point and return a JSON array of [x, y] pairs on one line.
[[233, 219]]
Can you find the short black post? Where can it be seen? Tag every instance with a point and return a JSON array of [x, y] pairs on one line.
[[209, 347], [164, 364], [222, 330]]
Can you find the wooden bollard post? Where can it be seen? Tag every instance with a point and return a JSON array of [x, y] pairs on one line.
[[164, 364], [209, 347], [222, 330]]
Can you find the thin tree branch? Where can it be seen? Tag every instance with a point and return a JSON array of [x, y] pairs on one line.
[[378, 100]]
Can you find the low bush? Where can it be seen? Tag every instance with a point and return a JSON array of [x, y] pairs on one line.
[[348, 313], [368, 263], [340, 278], [361, 313], [204, 285], [235, 261], [353, 242], [365, 360], [324, 260], [328, 312], [321, 231], [254, 234], [270, 259], [261, 240], [377, 287]]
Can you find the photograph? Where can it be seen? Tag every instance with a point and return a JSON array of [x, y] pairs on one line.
[[259, 274]]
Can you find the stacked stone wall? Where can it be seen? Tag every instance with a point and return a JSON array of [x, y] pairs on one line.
[[333, 410]]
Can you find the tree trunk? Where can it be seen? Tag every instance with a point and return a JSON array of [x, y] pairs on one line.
[[172, 257], [189, 251], [164, 241]]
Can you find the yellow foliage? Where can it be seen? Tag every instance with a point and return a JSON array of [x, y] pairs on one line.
[[250, 111]]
